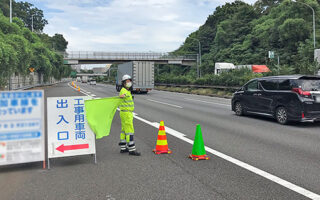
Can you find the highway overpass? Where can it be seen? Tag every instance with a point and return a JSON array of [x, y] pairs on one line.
[[89, 57]]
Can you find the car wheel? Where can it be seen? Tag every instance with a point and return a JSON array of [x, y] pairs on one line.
[[282, 115], [238, 108]]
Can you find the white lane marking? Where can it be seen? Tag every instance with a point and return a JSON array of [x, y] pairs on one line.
[[83, 92], [222, 104], [244, 165], [190, 95], [77, 90], [165, 103]]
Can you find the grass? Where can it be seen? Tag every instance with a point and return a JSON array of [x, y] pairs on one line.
[[198, 91]]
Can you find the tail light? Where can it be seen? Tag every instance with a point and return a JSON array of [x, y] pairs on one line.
[[302, 115], [302, 93]]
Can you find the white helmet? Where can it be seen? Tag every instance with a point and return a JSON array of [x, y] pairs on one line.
[[126, 77]]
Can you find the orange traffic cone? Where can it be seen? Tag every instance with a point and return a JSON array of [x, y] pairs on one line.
[[72, 83], [162, 143], [198, 150], [79, 89], [75, 86]]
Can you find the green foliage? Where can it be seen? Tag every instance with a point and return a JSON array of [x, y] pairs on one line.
[[243, 34], [56, 42], [59, 43], [232, 78], [25, 11], [20, 49]]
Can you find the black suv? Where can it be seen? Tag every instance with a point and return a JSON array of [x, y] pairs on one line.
[[286, 98]]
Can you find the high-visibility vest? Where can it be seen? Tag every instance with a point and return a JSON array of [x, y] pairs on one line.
[[127, 104]]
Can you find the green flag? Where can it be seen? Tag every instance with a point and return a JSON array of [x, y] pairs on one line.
[[100, 114]]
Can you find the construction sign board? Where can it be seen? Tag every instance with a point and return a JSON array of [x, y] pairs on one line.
[[21, 127], [68, 131]]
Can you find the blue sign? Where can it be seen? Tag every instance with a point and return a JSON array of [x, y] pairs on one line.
[[21, 126]]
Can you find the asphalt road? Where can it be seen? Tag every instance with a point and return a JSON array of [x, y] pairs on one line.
[[289, 152]]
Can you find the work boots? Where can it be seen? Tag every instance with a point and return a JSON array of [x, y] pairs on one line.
[[134, 153], [124, 150]]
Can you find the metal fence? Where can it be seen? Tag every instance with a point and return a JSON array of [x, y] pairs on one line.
[[125, 56]]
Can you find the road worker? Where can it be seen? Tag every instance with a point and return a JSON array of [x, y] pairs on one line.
[[127, 143]]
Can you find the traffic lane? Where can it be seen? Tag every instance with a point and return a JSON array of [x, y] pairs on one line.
[[199, 99], [260, 142], [257, 141], [301, 138], [217, 174], [111, 178], [180, 99], [60, 90], [150, 176], [104, 89], [309, 131], [101, 90], [164, 95]]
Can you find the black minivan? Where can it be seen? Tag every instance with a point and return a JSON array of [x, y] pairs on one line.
[[285, 98]]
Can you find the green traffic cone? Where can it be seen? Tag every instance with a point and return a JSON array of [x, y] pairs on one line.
[[198, 151]]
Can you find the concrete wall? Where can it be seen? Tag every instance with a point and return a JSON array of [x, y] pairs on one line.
[[24, 82]]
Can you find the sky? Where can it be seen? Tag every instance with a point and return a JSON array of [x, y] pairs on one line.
[[126, 25]]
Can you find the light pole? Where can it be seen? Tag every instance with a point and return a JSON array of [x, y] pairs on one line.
[[314, 21], [10, 22], [10, 11], [198, 72]]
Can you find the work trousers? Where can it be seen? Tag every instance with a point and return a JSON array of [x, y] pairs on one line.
[[127, 131]]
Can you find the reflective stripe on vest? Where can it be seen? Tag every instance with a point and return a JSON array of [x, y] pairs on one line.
[[126, 106]]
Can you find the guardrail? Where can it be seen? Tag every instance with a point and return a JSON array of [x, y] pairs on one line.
[[233, 88]]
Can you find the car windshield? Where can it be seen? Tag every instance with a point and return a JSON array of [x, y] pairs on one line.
[[309, 85]]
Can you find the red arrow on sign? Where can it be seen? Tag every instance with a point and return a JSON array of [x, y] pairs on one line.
[[63, 148]]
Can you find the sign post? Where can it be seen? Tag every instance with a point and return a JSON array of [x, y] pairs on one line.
[[68, 131], [22, 127]]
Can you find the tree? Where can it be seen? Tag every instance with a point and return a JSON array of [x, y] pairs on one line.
[[264, 6], [21, 49], [24, 11], [59, 43], [243, 34]]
